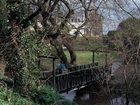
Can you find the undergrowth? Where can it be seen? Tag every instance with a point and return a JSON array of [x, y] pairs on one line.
[[39, 96]]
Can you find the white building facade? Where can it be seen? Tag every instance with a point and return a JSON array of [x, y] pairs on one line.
[[93, 27]]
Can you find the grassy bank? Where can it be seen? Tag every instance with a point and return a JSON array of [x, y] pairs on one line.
[[85, 57]]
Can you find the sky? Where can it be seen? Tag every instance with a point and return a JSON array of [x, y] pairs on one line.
[[138, 1], [112, 18]]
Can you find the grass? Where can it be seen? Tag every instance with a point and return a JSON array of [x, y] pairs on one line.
[[85, 57]]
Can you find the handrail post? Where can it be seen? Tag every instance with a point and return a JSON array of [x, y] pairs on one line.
[[106, 59], [54, 73], [39, 62], [93, 57], [53, 68]]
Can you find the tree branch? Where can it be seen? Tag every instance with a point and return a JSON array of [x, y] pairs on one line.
[[70, 12], [23, 22]]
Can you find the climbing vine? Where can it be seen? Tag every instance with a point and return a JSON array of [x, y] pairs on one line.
[[31, 48]]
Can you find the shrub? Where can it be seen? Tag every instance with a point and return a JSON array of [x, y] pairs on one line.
[[8, 97], [45, 95]]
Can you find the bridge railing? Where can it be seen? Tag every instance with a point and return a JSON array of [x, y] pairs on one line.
[[79, 67], [78, 76]]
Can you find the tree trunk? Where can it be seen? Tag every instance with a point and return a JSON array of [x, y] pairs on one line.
[[68, 44], [14, 64], [60, 51], [72, 53]]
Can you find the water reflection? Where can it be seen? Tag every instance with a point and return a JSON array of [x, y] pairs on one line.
[[85, 97], [121, 101], [69, 96], [88, 99]]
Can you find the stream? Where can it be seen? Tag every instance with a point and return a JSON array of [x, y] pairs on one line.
[[87, 98], [94, 99]]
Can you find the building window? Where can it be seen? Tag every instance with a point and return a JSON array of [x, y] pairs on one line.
[[71, 20], [86, 31], [79, 20], [75, 20]]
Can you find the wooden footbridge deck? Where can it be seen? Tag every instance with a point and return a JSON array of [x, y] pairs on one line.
[[76, 77]]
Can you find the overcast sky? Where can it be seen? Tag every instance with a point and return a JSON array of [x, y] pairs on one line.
[[113, 14]]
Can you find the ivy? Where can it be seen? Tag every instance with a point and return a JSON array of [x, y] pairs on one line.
[[31, 48]]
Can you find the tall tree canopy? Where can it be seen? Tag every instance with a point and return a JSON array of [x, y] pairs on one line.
[[25, 28]]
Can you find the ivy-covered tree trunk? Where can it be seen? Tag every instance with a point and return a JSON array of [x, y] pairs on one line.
[[14, 66]]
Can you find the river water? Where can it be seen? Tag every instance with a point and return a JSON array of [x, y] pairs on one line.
[[95, 99]]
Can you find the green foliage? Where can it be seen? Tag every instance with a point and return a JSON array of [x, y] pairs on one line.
[[22, 59], [8, 97], [45, 95], [31, 48], [128, 37], [12, 11], [128, 29], [3, 16], [19, 11]]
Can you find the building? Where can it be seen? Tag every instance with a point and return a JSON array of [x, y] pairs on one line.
[[92, 28]]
